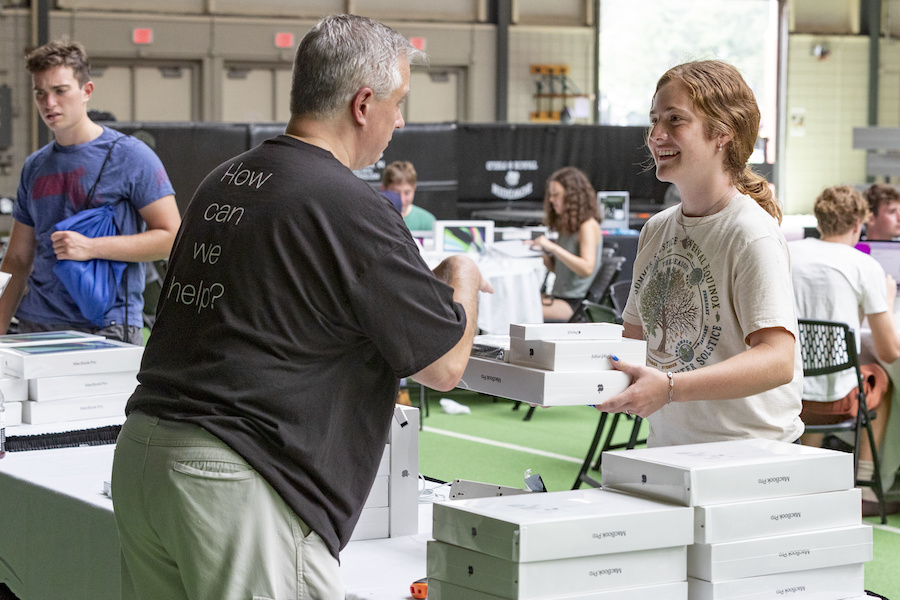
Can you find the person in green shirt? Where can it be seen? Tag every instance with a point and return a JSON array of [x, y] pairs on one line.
[[400, 177]]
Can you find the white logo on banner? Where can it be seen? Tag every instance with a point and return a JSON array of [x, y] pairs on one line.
[[512, 178]]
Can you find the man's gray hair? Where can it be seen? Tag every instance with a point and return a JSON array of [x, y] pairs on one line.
[[342, 54]]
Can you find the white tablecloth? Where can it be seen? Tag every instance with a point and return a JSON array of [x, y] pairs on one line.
[[58, 536], [517, 286]]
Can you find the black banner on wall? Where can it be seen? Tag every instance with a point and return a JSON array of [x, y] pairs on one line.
[[511, 163]]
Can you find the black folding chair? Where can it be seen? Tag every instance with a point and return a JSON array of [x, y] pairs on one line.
[[598, 292], [830, 347], [618, 293], [608, 444], [600, 313]]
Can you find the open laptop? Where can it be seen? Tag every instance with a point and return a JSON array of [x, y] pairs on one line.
[[463, 236], [887, 253], [424, 238], [615, 209]]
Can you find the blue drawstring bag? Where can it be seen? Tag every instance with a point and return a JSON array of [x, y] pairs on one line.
[[93, 283]]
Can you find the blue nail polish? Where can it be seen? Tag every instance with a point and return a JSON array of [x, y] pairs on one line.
[[614, 357]]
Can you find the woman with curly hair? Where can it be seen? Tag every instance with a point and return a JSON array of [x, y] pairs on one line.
[[570, 209]]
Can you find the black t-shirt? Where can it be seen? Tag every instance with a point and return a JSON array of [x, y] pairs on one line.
[[295, 299]]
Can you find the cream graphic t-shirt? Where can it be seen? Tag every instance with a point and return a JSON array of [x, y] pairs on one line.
[[701, 286]]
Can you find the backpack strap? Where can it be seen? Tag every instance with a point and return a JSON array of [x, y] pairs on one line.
[[90, 196]]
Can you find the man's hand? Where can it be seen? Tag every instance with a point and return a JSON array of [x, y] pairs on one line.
[[460, 267], [70, 245]]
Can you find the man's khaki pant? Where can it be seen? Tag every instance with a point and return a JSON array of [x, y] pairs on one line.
[[196, 522]]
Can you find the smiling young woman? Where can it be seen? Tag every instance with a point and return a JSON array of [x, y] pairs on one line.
[[712, 294]]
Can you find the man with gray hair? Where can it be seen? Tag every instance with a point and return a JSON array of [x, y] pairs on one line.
[[294, 302]]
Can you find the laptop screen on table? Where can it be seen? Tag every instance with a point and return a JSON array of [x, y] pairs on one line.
[[463, 236], [887, 253]]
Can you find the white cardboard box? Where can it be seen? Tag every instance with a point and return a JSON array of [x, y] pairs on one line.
[[392, 507], [556, 525], [13, 413], [732, 471], [566, 331], [15, 389], [379, 493], [374, 524], [538, 386], [86, 384], [831, 583], [780, 554], [375, 520], [734, 521], [576, 355], [71, 358], [553, 578], [40, 338], [74, 409], [441, 590]]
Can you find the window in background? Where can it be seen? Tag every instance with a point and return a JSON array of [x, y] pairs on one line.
[[639, 41], [133, 92], [256, 94]]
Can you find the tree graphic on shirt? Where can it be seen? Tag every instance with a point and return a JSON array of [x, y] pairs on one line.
[[668, 307]]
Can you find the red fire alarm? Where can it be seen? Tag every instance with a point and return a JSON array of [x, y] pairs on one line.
[[141, 35], [284, 40]]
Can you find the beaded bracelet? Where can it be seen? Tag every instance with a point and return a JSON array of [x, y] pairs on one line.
[[671, 386]]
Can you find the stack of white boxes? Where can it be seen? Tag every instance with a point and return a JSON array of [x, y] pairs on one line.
[[582, 544], [771, 519], [557, 364], [15, 393], [392, 507], [68, 375]]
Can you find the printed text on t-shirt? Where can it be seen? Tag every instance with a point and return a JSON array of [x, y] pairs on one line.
[[204, 294]]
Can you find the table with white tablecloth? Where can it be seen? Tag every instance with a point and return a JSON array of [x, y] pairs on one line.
[[517, 284], [58, 537]]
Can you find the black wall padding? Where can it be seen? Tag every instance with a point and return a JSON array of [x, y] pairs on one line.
[[511, 163], [459, 165], [189, 151], [260, 132], [432, 149]]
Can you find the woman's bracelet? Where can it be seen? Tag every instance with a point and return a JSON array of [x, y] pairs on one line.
[[671, 385]]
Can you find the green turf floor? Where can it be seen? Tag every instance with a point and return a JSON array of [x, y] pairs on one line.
[[492, 444]]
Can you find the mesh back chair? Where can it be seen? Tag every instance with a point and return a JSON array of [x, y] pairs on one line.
[[610, 268], [546, 285], [600, 313], [830, 347], [618, 293], [606, 313]]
